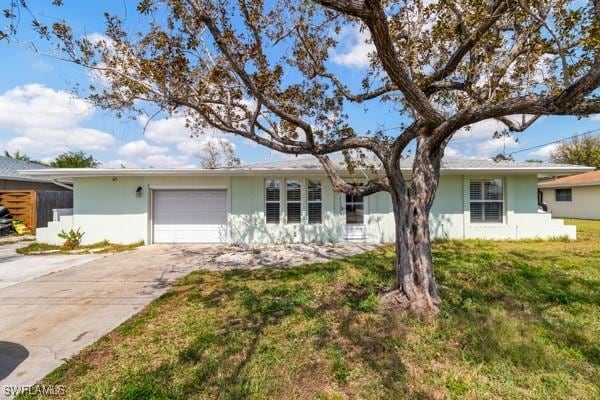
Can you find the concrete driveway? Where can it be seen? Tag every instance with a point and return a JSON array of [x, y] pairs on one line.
[[50, 318], [16, 268]]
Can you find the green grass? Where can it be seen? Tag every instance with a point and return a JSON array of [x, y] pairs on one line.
[[519, 320], [103, 247]]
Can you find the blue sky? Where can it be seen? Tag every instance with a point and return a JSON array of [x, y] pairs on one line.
[[40, 117]]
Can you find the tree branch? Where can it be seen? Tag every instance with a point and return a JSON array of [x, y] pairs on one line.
[[340, 185], [518, 127], [373, 15], [497, 9]]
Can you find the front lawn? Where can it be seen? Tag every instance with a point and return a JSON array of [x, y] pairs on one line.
[[519, 320]]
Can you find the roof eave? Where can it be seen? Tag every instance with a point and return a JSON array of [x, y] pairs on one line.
[[98, 172], [568, 185]]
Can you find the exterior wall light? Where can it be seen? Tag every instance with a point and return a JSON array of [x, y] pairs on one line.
[[138, 192]]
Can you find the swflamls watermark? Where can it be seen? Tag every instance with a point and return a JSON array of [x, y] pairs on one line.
[[44, 390]]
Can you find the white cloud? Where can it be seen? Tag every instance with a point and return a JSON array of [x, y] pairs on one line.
[[166, 130], [48, 121], [545, 151], [479, 130], [495, 145], [167, 161], [97, 37], [487, 127], [119, 164], [140, 148], [451, 152], [356, 46], [197, 145]]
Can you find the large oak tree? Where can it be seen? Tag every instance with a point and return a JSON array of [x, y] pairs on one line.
[[262, 71]]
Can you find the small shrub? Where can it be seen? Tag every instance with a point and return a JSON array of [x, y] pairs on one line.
[[72, 238]]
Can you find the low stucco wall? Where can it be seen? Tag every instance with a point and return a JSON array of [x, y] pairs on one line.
[[585, 203], [108, 209]]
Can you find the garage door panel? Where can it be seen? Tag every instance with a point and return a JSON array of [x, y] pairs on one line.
[[190, 216]]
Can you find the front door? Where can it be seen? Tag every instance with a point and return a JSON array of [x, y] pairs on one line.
[[354, 207]]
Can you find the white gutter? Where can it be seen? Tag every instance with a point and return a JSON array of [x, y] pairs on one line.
[[57, 183]]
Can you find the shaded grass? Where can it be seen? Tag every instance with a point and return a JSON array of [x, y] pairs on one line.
[[101, 247], [519, 320]]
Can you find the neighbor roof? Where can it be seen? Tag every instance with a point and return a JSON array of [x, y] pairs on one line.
[[10, 167], [586, 179], [312, 165]]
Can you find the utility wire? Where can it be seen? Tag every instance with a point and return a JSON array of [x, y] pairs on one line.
[[555, 141]]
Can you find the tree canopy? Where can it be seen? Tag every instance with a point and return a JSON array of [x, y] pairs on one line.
[[74, 159], [583, 150]]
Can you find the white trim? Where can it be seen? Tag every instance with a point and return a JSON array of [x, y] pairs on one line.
[[503, 201], [97, 172]]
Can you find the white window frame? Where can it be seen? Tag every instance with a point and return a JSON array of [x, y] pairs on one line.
[[485, 201], [287, 201], [272, 201], [309, 202], [365, 203]]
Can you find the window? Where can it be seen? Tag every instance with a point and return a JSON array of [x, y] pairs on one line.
[[355, 213], [563, 195], [294, 202], [315, 202], [487, 201], [272, 201]]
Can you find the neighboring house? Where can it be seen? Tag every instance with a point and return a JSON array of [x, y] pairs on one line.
[[293, 201], [12, 179], [576, 196]]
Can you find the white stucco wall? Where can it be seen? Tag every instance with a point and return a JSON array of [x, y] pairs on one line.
[[585, 203], [108, 209]]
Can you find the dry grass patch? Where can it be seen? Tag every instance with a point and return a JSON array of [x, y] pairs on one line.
[[36, 248]]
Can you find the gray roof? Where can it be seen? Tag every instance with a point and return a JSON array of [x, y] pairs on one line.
[[300, 166], [9, 169], [311, 163]]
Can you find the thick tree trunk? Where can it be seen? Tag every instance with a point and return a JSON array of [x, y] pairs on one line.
[[416, 283], [416, 287]]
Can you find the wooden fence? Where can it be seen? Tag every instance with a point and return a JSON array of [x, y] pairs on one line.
[[33, 208], [47, 200], [22, 206]]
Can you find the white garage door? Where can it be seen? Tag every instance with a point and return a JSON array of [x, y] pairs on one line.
[[190, 216]]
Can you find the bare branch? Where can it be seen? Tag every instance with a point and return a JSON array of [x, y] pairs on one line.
[[518, 127], [340, 185], [359, 97]]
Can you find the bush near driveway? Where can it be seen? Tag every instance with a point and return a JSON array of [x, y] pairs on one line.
[[519, 320]]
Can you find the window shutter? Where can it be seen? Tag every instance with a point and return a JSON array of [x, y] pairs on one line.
[[476, 212], [294, 205], [272, 201], [475, 191], [315, 205], [493, 212], [486, 200]]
